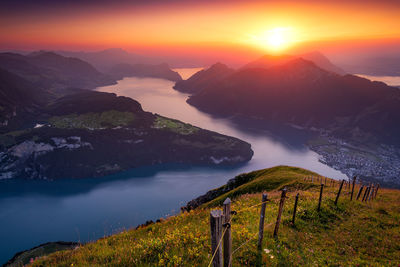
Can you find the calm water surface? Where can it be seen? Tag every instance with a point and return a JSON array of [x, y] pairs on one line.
[[35, 212], [389, 80]]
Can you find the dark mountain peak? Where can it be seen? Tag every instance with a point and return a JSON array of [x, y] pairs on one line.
[[47, 69], [268, 61], [300, 65], [204, 78], [298, 92], [297, 68], [218, 65], [323, 62]]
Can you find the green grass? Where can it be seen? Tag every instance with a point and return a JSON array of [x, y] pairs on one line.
[[266, 180], [351, 234], [174, 126], [25, 257], [107, 119]]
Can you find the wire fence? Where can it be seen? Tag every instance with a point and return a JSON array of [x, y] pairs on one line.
[[219, 236]]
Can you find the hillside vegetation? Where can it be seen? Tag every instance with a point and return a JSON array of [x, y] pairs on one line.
[[354, 233]]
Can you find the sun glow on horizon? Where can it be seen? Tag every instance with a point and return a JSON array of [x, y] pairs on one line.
[[275, 40]]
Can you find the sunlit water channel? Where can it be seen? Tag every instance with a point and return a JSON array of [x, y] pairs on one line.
[[35, 212]]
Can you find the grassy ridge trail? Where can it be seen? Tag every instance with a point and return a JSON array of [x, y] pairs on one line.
[[354, 233]]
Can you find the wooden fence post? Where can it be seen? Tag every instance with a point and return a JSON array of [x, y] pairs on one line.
[[338, 193], [376, 191], [371, 193], [352, 189], [262, 217], [228, 233], [320, 197], [278, 219], [365, 193], [359, 192], [295, 208], [216, 232], [325, 180]]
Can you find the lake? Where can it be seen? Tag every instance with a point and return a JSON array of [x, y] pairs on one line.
[[389, 80], [35, 212]]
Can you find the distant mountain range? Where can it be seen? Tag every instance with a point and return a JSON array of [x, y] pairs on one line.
[[219, 71], [58, 73], [297, 92], [104, 60], [52, 71], [356, 122], [51, 129]]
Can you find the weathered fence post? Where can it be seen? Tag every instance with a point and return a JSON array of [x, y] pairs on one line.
[[278, 219], [262, 217], [295, 208], [216, 232], [320, 197], [352, 189], [228, 233], [365, 193], [371, 193], [359, 192], [376, 191], [338, 193]]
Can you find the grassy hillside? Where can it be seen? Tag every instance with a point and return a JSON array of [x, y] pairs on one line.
[[352, 234]]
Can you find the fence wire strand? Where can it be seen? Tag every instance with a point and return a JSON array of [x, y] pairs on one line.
[[223, 233], [220, 241]]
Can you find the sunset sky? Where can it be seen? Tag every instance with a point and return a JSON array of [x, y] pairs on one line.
[[267, 25]]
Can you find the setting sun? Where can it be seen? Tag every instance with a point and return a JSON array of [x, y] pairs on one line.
[[275, 39]]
